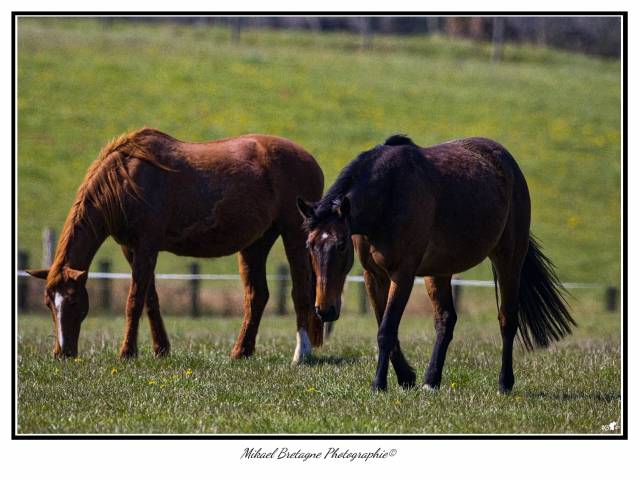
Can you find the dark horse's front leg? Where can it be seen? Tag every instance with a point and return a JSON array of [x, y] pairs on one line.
[[377, 285], [143, 263], [399, 291]]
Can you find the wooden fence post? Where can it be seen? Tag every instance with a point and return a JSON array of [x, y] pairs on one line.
[[23, 283], [362, 297], [457, 294], [236, 28], [194, 269], [498, 39], [611, 299], [48, 246], [105, 286], [283, 283]]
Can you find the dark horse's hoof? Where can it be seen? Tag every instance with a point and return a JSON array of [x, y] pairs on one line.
[[378, 387], [162, 350], [408, 380]]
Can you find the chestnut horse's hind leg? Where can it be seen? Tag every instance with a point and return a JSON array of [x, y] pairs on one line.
[[309, 329], [159, 337], [252, 263], [143, 263], [378, 290], [439, 290]]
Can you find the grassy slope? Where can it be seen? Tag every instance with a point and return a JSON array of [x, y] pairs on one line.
[[573, 387], [81, 83]]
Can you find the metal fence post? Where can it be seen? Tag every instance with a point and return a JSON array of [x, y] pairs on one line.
[[283, 275], [23, 283], [194, 269], [105, 286]]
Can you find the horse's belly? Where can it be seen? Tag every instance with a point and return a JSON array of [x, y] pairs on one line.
[[215, 239]]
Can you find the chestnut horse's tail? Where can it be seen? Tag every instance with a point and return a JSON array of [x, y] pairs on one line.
[[543, 313]]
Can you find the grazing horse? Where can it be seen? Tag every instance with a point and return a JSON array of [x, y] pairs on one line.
[[434, 212], [154, 193]]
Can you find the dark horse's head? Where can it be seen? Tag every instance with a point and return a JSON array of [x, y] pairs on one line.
[[331, 248], [66, 296]]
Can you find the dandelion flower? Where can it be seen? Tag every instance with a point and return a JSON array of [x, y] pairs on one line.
[[188, 372], [152, 382], [114, 370]]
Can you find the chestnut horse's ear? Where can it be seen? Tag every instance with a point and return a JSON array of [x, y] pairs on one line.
[[41, 273], [343, 209], [305, 208], [77, 275]]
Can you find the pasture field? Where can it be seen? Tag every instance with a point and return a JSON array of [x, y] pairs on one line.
[[574, 387], [81, 82]]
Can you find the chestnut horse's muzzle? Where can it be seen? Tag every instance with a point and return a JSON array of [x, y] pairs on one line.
[[329, 315]]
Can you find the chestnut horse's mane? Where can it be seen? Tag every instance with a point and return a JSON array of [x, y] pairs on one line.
[[103, 188]]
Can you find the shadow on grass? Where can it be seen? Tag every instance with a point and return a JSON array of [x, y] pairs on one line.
[[331, 360], [600, 397]]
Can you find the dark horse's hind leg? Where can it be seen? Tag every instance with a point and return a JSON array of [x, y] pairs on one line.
[[378, 290], [509, 285], [252, 263], [439, 290], [159, 337]]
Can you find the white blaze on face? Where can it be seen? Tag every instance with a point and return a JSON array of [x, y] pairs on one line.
[[324, 236], [57, 301], [303, 346]]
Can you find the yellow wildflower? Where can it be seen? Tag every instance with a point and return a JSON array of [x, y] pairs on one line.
[[114, 370], [152, 382], [188, 372]]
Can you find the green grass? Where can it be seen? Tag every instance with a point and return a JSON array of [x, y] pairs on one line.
[[81, 82], [574, 387]]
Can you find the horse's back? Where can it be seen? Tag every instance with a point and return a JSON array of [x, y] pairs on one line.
[[221, 196], [471, 184]]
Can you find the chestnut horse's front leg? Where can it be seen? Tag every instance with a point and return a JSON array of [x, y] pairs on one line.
[[399, 292], [143, 265]]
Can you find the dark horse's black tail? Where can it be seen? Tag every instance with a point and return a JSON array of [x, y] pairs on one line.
[[544, 315]]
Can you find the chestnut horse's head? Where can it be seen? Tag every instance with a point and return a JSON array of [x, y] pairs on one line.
[[331, 248], [66, 296]]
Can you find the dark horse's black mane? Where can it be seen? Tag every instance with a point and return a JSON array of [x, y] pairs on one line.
[[358, 170]]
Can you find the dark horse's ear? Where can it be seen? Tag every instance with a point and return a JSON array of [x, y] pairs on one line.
[[305, 208], [343, 209], [43, 273]]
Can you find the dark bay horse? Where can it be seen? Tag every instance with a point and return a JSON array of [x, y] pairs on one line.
[[433, 212], [154, 193]]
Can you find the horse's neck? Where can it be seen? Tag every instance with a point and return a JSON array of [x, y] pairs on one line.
[[84, 241], [364, 211]]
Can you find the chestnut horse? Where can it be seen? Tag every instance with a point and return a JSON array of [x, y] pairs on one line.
[[154, 193], [433, 212]]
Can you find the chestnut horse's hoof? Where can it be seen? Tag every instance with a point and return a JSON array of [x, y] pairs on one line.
[[127, 353], [238, 353]]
